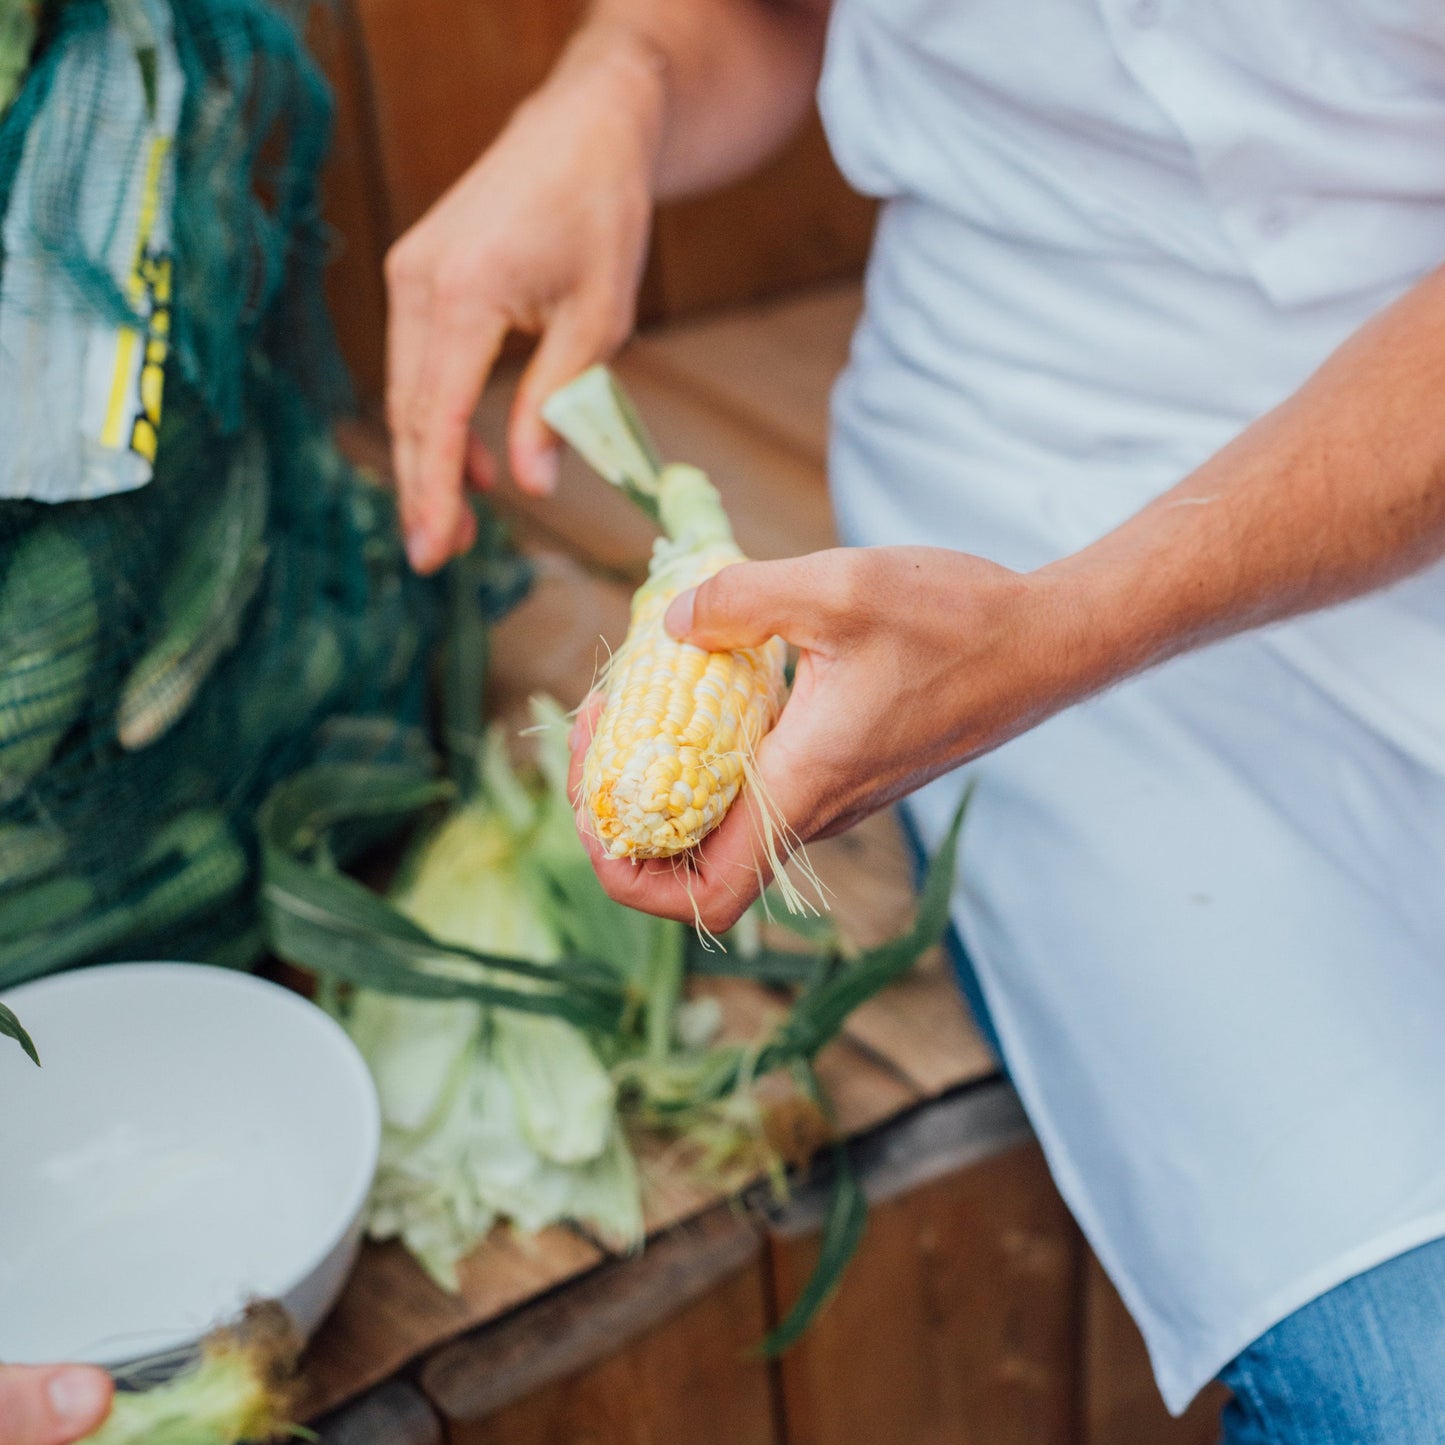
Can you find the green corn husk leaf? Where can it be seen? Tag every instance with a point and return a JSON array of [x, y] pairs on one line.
[[203, 603], [240, 1389], [131, 19], [44, 904], [491, 1113], [843, 1228], [17, 40], [29, 851], [11, 1028], [49, 628], [821, 1012], [596, 417], [837, 988], [323, 920], [192, 865]]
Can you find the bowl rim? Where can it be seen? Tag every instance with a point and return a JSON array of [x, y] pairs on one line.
[[341, 1220]]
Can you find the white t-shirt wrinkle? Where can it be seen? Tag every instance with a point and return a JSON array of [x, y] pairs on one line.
[[1206, 908]]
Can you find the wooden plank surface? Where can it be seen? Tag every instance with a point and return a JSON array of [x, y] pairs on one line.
[[772, 365], [394, 1414], [658, 1351], [964, 1290], [390, 1312]]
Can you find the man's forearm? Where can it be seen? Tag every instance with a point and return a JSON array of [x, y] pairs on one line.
[[723, 83], [1336, 492]]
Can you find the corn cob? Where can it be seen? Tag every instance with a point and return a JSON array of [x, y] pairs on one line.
[[49, 626], [205, 864], [202, 606], [46, 904], [28, 851], [681, 726]]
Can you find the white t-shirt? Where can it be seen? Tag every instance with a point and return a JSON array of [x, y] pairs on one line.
[[1207, 909]]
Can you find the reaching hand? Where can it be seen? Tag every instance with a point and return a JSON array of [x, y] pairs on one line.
[[546, 234], [51, 1404]]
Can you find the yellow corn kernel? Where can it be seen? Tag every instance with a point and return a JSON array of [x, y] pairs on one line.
[[680, 728]]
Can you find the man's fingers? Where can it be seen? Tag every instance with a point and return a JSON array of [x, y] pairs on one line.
[[460, 353], [747, 603], [481, 465], [715, 882], [51, 1405], [576, 336]]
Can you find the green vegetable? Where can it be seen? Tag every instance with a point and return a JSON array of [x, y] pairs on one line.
[[203, 603], [11, 1028], [49, 626], [239, 1390], [488, 1113], [17, 39], [517, 1020], [44, 904], [192, 864], [28, 851]]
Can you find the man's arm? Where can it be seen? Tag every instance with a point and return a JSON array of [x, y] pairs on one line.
[[547, 232], [916, 659], [1339, 490]]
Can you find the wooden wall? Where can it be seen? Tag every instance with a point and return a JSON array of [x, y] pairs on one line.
[[424, 85]]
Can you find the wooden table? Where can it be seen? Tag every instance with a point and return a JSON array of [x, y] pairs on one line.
[[995, 1328]]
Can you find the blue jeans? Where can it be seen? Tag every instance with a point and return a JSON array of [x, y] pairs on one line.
[[1363, 1364]]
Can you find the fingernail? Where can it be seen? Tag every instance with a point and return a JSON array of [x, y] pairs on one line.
[[679, 615], [418, 551], [76, 1396], [545, 470]]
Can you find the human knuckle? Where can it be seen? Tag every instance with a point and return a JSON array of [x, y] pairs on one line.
[[401, 266]]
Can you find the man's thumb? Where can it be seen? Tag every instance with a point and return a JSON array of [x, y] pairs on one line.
[[744, 605]]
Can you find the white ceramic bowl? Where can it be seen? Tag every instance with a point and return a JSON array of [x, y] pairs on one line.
[[195, 1138]]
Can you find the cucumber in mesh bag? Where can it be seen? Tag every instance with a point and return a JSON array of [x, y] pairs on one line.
[[49, 629]]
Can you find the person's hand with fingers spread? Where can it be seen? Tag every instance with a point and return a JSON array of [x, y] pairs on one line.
[[911, 660], [51, 1404], [547, 232]]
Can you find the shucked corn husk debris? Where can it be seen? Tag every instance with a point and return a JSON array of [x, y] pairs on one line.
[[239, 1388], [523, 1028]]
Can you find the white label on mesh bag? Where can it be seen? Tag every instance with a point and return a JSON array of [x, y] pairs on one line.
[[80, 397]]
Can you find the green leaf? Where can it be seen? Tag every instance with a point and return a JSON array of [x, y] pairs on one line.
[[323, 920], [842, 1232], [11, 1028], [773, 966], [596, 416], [821, 1011], [314, 937]]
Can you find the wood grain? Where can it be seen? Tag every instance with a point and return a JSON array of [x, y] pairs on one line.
[[792, 224], [393, 1414], [354, 200], [655, 1352], [772, 365], [955, 1325], [390, 1312]]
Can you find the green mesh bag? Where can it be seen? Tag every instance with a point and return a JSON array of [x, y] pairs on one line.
[[169, 652]]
